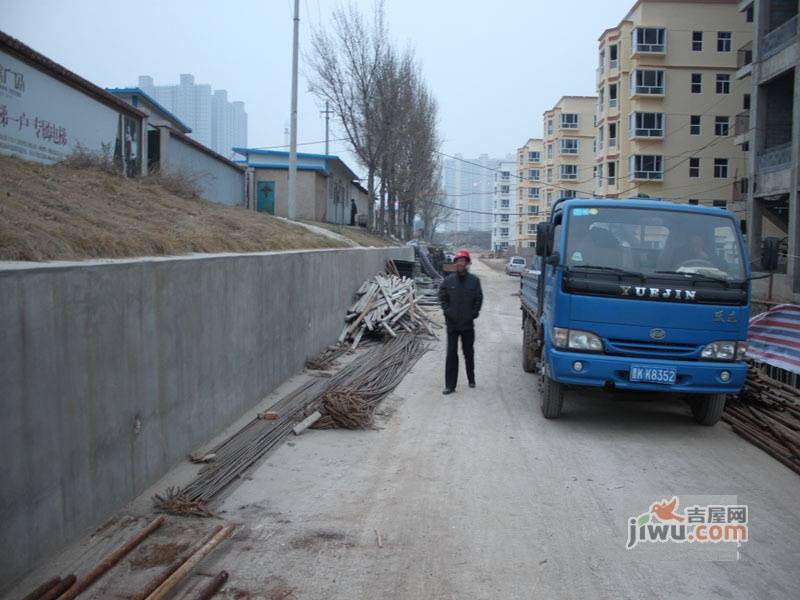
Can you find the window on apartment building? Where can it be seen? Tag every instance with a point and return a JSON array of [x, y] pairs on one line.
[[749, 14], [697, 41], [549, 175], [697, 83], [534, 156], [504, 218], [746, 102], [569, 120], [549, 151], [719, 203], [648, 39], [612, 135], [694, 201], [549, 198], [723, 83], [520, 194], [646, 166], [599, 175], [567, 194], [520, 158], [531, 227], [504, 189], [504, 203], [723, 41], [646, 124], [613, 56], [600, 100], [534, 174], [549, 126], [504, 231], [533, 193], [647, 81], [569, 146], [694, 125], [694, 167], [602, 61], [721, 125], [505, 175], [612, 95], [721, 168], [612, 173], [533, 209], [569, 171]]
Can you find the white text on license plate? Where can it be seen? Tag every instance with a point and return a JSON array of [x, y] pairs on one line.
[[653, 374]]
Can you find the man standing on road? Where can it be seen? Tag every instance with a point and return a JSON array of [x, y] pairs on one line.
[[461, 298]]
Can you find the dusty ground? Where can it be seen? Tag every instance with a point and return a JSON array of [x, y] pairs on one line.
[[358, 234], [475, 495], [57, 213]]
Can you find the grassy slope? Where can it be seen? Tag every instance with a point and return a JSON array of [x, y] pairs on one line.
[[58, 213]]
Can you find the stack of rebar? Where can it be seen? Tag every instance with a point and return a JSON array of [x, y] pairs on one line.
[[767, 414], [385, 305], [347, 399]]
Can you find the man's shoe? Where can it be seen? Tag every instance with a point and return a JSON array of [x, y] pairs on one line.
[[448, 391], [472, 384]]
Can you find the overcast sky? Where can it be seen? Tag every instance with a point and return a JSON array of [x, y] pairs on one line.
[[494, 67]]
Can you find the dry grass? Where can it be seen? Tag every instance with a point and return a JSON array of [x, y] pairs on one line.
[[67, 213]]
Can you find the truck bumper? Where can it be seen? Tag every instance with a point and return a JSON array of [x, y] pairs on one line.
[[599, 370]]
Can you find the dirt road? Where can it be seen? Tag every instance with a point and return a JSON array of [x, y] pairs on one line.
[[475, 495]]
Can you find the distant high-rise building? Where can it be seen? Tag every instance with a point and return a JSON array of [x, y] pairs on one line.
[[505, 207], [215, 122], [469, 188]]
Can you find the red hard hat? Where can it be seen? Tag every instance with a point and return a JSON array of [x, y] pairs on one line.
[[463, 253]]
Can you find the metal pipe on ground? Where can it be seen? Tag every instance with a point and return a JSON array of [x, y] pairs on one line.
[[184, 569], [213, 587], [59, 589], [43, 588], [108, 563]]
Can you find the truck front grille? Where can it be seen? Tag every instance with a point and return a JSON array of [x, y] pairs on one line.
[[652, 349]]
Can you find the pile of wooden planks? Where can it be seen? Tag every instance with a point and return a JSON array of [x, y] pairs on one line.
[[767, 414], [385, 305]]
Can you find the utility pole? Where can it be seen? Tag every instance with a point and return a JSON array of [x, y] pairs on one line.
[[292, 207], [327, 112]]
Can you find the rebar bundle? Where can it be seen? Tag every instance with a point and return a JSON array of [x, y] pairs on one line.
[[363, 384], [767, 414]]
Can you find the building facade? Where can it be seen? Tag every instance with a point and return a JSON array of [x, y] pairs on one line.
[[569, 131], [530, 198], [771, 127], [469, 189], [504, 225], [668, 99], [215, 122]]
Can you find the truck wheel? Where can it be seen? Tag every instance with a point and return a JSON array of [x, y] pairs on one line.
[[552, 398], [529, 364], [707, 410]]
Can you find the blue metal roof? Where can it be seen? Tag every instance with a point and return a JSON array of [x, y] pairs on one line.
[[135, 91], [300, 155]]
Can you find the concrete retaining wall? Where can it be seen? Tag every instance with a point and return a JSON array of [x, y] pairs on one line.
[[111, 373]]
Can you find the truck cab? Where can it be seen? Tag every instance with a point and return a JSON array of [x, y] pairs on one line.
[[639, 295]]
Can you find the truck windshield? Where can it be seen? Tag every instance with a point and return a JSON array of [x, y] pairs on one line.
[[651, 241]]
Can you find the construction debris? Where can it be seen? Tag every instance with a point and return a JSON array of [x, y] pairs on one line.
[[385, 305], [327, 359], [767, 414], [307, 422]]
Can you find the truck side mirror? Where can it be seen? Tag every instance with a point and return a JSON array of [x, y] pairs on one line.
[[553, 259], [542, 239]]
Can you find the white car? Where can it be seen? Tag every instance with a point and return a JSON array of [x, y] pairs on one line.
[[515, 266]]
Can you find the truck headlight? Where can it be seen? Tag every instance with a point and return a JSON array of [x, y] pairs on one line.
[[719, 351], [575, 339]]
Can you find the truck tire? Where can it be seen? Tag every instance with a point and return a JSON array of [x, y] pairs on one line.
[[552, 398], [529, 363], [707, 410]]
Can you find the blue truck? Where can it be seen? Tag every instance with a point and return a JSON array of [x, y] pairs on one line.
[[640, 295]]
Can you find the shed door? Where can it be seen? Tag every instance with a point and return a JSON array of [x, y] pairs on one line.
[[265, 197]]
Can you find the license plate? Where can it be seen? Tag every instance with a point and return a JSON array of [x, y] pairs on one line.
[[653, 374]]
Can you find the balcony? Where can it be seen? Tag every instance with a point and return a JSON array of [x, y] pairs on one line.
[[775, 158], [744, 61], [613, 65], [741, 127], [613, 103], [612, 143], [777, 39], [649, 40]]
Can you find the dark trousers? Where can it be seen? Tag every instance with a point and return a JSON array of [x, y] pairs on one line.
[[451, 366]]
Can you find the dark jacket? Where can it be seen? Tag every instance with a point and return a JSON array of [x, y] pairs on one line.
[[461, 300]]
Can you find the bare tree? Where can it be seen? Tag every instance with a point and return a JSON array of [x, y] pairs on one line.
[[344, 66]]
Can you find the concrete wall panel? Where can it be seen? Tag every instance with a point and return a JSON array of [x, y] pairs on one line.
[[112, 372], [218, 181]]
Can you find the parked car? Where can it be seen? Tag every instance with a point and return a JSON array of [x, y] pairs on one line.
[[515, 265]]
